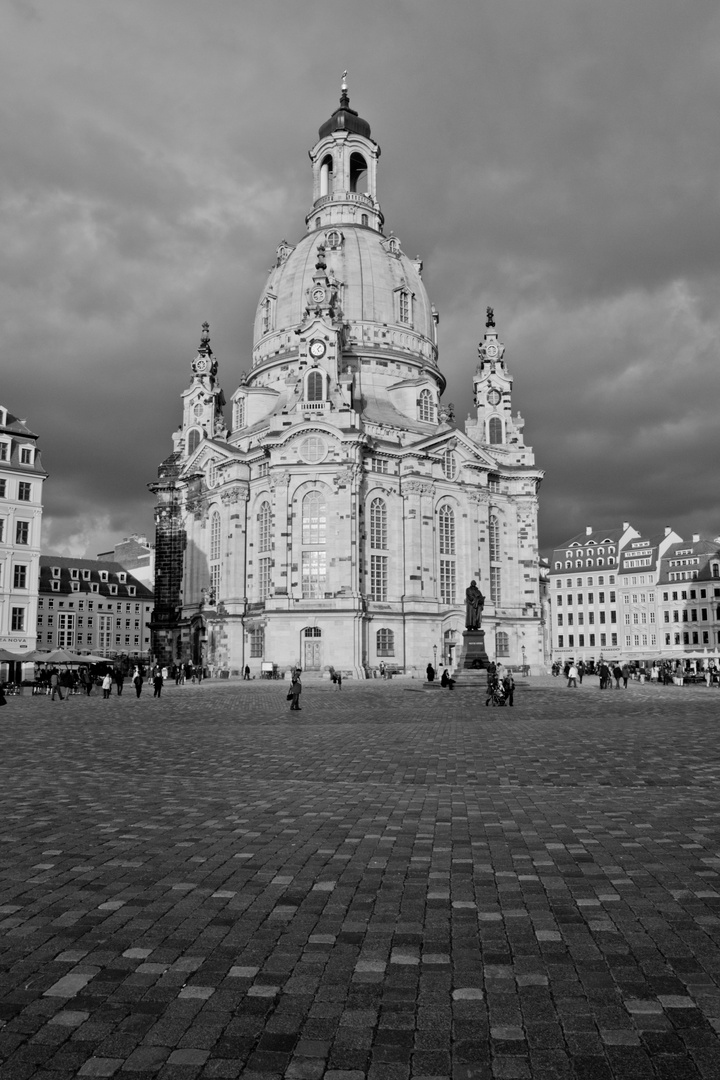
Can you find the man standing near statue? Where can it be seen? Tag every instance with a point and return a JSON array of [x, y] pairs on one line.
[[474, 604]]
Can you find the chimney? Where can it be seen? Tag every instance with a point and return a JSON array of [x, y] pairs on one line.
[[588, 530], [626, 525], [696, 537], [668, 530]]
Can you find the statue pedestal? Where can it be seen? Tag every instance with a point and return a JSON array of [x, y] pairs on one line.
[[472, 660]]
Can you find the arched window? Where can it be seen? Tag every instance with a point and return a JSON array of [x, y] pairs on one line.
[[215, 565], [446, 535], [358, 173], [495, 568], [378, 545], [326, 173], [495, 430], [502, 644], [314, 535], [385, 642], [240, 413], [446, 529], [314, 389], [404, 306], [364, 220], [193, 440], [378, 524], [215, 536], [265, 547], [426, 406]]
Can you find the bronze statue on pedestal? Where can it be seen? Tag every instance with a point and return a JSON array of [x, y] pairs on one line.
[[474, 604]]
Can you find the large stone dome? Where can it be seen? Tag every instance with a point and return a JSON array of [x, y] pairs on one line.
[[371, 270]]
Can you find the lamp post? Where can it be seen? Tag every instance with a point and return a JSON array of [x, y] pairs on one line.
[[435, 657], [522, 649]]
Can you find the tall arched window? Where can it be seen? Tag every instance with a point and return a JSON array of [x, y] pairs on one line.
[[385, 642], [240, 413], [378, 546], [264, 534], [314, 536], [426, 406], [215, 564], [494, 552], [326, 172], [495, 430], [193, 440], [446, 534], [314, 386], [358, 173]]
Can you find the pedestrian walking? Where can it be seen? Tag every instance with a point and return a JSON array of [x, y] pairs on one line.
[[572, 676], [295, 692], [338, 680], [137, 681], [246, 675], [119, 680], [55, 685], [625, 675], [106, 685], [509, 688], [617, 676], [430, 672], [157, 682]]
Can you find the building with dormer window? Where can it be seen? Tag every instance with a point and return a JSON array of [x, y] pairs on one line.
[[21, 505], [339, 519]]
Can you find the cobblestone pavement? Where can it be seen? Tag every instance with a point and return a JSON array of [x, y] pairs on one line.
[[391, 884]]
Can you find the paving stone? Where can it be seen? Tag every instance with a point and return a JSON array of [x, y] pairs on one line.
[[396, 888]]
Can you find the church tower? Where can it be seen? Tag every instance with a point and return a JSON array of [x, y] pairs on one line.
[[336, 520]]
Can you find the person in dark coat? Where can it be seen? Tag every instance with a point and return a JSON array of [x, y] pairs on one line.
[[119, 680], [430, 672], [157, 682], [295, 690]]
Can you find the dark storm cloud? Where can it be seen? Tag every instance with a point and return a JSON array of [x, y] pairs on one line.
[[558, 161]]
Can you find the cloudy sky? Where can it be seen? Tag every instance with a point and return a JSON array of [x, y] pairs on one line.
[[557, 161]]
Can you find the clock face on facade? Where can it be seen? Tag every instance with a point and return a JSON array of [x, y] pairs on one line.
[[494, 396], [491, 350], [317, 349], [201, 364], [318, 295]]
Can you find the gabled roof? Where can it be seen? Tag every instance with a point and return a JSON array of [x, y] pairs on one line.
[[113, 569]]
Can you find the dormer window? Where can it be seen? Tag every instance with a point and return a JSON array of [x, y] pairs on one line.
[[55, 586], [4, 450], [122, 577], [55, 571], [103, 575], [3, 416], [26, 455], [131, 590], [404, 306], [74, 573], [267, 308], [94, 587], [113, 590], [426, 406], [86, 575], [75, 586]]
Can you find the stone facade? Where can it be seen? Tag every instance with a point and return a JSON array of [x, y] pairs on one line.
[[338, 518], [21, 506]]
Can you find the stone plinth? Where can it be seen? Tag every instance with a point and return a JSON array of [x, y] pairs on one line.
[[472, 659]]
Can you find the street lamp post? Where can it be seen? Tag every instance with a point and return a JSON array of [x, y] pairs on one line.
[[435, 657]]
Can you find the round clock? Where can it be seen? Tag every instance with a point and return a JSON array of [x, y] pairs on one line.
[[494, 396], [318, 295], [491, 350], [317, 349], [200, 364]]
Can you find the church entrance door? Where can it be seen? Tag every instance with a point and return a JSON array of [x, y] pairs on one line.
[[313, 648]]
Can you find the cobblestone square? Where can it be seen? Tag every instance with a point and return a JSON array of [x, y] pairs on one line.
[[394, 883]]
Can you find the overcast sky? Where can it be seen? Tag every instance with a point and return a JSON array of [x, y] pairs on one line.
[[557, 161]]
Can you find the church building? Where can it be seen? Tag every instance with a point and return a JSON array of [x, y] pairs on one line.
[[334, 515]]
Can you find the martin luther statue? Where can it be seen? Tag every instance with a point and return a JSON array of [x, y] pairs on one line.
[[474, 603]]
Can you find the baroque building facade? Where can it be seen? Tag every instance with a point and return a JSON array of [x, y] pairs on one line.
[[337, 516], [21, 506]]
